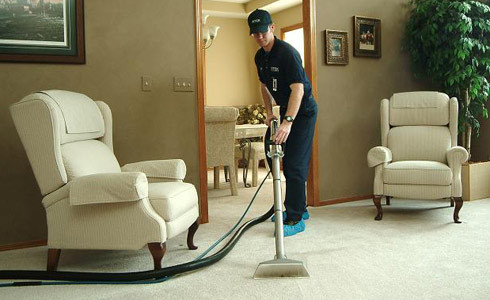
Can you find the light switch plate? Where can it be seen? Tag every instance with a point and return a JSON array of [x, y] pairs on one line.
[[183, 84], [146, 83]]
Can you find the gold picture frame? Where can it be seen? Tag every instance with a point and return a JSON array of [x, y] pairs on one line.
[[336, 47], [367, 37]]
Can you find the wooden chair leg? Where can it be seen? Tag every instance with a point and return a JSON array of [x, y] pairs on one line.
[[388, 198], [255, 172], [452, 202], [377, 203], [190, 235], [459, 204], [53, 259], [234, 191], [157, 250], [216, 178], [227, 178]]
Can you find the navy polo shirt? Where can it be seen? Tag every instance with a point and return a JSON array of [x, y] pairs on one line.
[[280, 68]]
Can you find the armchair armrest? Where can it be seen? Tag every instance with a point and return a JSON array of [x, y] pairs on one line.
[[456, 156], [378, 155], [108, 188], [169, 169]]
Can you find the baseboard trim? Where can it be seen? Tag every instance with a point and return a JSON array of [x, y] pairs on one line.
[[23, 245], [344, 200]]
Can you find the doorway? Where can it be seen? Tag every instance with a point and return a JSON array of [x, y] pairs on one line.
[[294, 35], [309, 33]]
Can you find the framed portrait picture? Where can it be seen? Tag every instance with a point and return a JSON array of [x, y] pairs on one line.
[[367, 37], [336, 47], [47, 31]]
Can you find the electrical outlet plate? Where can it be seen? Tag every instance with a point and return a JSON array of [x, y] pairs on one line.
[[182, 84]]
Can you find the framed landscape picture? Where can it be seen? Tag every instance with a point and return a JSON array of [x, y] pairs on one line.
[[48, 31], [336, 47], [367, 37]]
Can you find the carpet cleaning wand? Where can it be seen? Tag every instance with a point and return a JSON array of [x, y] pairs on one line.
[[280, 266]]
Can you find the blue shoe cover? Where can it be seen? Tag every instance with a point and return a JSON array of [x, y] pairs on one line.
[[290, 230]]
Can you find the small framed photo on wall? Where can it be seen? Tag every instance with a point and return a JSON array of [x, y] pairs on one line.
[[367, 37], [336, 47]]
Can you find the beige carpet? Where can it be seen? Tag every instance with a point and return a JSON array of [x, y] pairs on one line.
[[415, 252]]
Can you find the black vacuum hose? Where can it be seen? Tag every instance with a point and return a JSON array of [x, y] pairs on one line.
[[135, 276]]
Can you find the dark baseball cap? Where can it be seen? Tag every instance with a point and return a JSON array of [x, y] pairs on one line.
[[259, 21]]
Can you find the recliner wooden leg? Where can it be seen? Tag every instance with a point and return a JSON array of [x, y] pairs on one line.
[[459, 204], [377, 203], [452, 202], [53, 259], [190, 235], [157, 250], [388, 198]]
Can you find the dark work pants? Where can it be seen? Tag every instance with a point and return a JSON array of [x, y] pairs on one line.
[[296, 160]]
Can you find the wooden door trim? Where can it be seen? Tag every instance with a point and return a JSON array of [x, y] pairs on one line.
[[309, 30], [309, 33], [200, 77]]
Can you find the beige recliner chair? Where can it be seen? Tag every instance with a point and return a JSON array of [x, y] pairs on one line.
[[90, 202], [419, 157]]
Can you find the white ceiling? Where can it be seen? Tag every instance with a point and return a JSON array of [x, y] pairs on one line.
[[241, 8]]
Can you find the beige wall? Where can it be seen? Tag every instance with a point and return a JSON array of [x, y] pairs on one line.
[[287, 17], [349, 96], [231, 76], [125, 39]]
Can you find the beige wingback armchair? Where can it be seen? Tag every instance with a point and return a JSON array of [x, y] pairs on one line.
[[418, 157], [220, 141], [90, 201]]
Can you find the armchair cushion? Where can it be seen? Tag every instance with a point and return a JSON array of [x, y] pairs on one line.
[[378, 155], [419, 143], [419, 108], [80, 113], [108, 188], [171, 168], [87, 158], [417, 173], [172, 199]]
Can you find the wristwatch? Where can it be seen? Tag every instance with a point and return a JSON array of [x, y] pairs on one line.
[[289, 119]]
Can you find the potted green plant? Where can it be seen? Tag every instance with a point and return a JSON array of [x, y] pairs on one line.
[[449, 43]]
